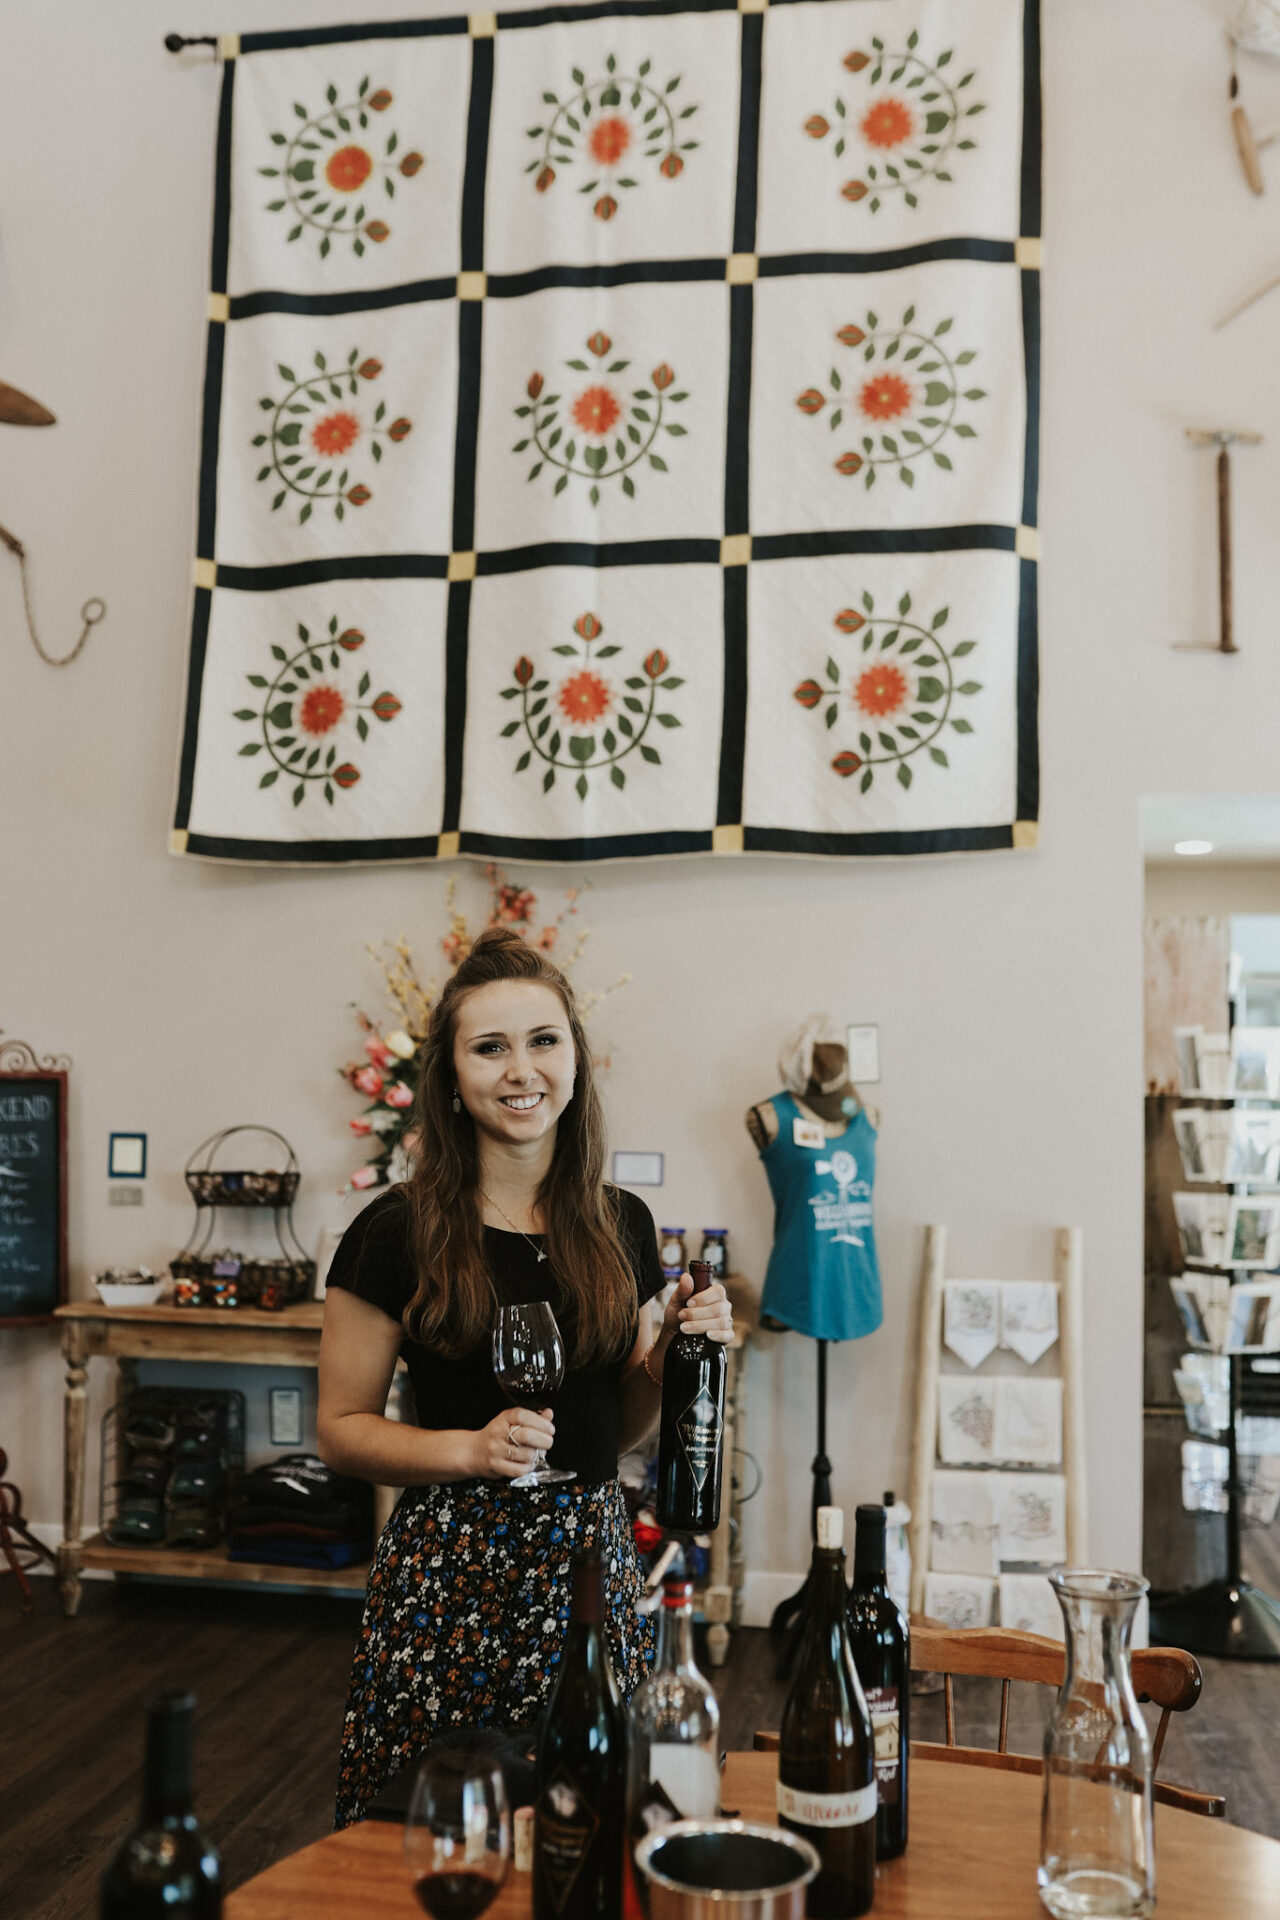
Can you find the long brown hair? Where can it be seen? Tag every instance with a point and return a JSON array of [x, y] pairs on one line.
[[452, 1310]]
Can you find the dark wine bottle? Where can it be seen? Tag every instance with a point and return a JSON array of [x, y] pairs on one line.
[[580, 1809], [826, 1756], [166, 1866], [880, 1640], [691, 1438]]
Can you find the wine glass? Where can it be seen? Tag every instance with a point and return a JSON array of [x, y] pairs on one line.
[[528, 1364], [457, 1834]]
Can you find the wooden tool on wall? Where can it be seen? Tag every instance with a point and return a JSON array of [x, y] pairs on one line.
[[20, 410], [1223, 438]]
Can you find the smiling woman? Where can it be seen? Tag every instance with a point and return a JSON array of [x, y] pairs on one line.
[[506, 1206]]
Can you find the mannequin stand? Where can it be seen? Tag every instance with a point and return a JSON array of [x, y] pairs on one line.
[[787, 1622], [11, 1523]]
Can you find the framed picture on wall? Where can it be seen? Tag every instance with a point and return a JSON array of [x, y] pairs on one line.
[[33, 1185]]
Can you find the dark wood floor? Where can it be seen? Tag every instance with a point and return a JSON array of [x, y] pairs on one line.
[[270, 1672]]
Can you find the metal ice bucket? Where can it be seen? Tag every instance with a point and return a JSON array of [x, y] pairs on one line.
[[725, 1870]]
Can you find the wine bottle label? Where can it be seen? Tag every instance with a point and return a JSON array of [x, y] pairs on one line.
[[886, 1725], [566, 1826], [688, 1776], [809, 1809], [699, 1430]]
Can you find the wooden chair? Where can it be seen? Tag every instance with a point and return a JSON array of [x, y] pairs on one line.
[[1166, 1676]]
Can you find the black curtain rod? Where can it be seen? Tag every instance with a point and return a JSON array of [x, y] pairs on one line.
[[177, 43]]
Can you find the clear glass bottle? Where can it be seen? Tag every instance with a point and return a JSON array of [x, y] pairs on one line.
[[1097, 1852], [675, 1724], [715, 1250]]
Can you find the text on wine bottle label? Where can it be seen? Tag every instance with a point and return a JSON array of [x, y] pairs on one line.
[[811, 1809]]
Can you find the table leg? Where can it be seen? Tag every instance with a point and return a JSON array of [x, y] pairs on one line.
[[74, 1432]]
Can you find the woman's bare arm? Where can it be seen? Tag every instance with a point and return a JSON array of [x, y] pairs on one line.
[[358, 1351]]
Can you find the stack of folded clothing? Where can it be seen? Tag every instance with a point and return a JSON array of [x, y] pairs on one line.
[[296, 1512]]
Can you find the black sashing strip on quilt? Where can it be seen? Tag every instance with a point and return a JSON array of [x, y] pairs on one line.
[[764, 547], [207, 492]]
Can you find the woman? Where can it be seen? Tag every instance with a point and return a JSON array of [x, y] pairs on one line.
[[468, 1593]]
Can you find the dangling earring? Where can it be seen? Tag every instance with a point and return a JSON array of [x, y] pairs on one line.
[[456, 1103]]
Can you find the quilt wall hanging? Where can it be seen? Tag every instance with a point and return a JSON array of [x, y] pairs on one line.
[[619, 436]]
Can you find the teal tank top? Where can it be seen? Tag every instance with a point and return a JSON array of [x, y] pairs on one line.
[[823, 1278]]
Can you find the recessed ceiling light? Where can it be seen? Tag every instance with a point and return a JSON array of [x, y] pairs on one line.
[[1193, 846]]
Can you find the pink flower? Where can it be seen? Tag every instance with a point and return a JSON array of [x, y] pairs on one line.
[[547, 938], [398, 1095], [365, 1177], [369, 1081], [380, 1054], [360, 1126]]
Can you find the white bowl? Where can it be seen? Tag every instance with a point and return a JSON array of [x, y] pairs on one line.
[[120, 1293]]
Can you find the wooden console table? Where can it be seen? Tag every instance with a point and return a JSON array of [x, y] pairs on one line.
[[245, 1337]]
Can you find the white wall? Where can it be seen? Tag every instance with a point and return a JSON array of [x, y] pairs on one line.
[[1007, 988]]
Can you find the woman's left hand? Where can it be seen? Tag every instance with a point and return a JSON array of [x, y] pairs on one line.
[[707, 1312]]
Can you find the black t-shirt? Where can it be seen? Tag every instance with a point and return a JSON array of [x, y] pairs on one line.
[[374, 1260]]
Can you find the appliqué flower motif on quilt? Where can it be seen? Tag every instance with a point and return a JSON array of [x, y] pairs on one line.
[[313, 429], [910, 127], [903, 691], [327, 173], [586, 699], [307, 706], [600, 431], [609, 126], [915, 389]]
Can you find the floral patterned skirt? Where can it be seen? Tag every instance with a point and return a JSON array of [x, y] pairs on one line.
[[466, 1613]]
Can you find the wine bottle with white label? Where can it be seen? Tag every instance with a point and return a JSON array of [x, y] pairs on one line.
[[674, 1769], [880, 1639], [826, 1757], [581, 1803], [691, 1438]]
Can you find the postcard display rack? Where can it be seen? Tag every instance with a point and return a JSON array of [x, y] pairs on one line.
[[997, 1475], [1228, 1297]]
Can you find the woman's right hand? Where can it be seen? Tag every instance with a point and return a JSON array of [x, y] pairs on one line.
[[505, 1448]]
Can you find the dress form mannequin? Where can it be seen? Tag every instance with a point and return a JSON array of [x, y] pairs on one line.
[[822, 1278]]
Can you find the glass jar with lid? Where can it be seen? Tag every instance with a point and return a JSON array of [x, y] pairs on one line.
[[672, 1251], [715, 1250]]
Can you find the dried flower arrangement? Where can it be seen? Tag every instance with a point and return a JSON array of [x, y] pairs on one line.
[[388, 1076]]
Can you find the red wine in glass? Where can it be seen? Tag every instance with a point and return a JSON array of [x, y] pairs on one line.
[[456, 1894], [528, 1364], [457, 1834]]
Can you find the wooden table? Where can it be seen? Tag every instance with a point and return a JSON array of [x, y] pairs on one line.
[[975, 1843], [243, 1337]]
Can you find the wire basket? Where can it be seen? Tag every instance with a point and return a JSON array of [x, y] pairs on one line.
[[170, 1456], [211, 1186], [231, 1280]]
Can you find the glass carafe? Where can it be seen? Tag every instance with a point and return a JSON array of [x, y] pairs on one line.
[[1096, 1843]]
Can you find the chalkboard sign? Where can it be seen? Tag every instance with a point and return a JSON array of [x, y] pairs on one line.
[[33, 1185]]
